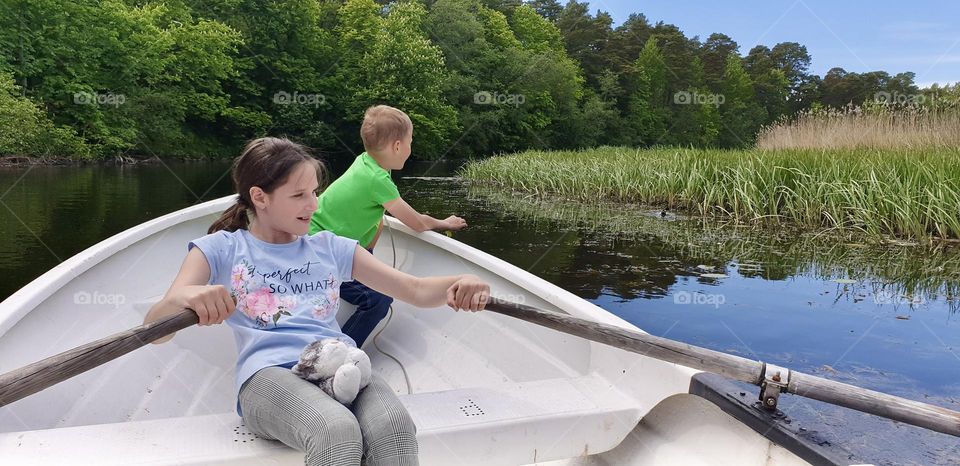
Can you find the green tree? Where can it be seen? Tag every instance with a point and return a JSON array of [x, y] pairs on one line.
[[178, 84], [713, 54], [840, 88], [26, 130], [689, 120], [514, 89], [190, 77], [288, 49], [740, 112], [391, 60], [649, 113], [770, 83], [549, 9], [626, 42], [535, 33], [793, 60], [126, 78], [586, 37]]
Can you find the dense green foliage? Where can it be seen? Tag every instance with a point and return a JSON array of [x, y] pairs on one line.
[[199, 77]]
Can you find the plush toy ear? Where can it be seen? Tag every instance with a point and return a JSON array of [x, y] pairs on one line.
[[360, 359]]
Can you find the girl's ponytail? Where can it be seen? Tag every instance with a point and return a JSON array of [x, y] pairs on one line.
[[232, 219]]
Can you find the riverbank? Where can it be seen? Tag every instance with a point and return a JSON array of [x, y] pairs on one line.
[[23, 161], [888, 193]]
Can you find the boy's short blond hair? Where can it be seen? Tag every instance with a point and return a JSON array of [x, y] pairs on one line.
[[382, 125]]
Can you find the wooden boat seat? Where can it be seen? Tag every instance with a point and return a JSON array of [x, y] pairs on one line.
[[515, 423]]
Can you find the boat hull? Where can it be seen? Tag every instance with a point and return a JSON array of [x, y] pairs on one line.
[[483, 388]]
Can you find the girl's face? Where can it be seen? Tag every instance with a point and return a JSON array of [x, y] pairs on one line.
[[287, 210]]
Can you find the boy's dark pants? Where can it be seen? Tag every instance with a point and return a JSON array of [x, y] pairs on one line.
[[371, 305]]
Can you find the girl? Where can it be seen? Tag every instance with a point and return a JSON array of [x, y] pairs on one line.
[[257, 260]]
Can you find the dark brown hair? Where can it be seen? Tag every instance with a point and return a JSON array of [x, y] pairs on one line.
[[265, 163]]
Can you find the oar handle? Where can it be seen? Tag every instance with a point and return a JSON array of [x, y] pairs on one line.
[[849, 396], [32, 378]]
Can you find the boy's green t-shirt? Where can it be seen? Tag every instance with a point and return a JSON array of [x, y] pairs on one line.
[[352, 206]]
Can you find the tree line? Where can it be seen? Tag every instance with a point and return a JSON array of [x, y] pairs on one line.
[[96, 79]]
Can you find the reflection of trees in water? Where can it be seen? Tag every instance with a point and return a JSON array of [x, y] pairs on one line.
[[629, 252], [68, 209], [55, 206]]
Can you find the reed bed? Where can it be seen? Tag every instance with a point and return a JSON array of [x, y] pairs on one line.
[[892, 192], [909, 128]]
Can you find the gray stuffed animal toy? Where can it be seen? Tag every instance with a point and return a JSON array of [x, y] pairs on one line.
[[338, 369]]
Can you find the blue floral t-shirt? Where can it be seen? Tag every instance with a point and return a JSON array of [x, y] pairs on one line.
[[287, 294]]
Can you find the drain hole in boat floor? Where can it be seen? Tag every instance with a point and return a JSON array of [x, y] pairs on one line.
[[471, 409]]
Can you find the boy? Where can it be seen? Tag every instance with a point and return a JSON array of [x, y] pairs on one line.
[[353, 207]]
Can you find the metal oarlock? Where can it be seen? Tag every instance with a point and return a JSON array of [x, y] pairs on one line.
[[775, 381]]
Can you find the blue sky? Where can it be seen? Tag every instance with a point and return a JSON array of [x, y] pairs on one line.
[[922, 36]]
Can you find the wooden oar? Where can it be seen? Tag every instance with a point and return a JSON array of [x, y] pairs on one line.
[[754, 372], [30, 379]]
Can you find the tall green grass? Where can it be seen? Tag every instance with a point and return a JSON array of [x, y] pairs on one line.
[[903, 193]]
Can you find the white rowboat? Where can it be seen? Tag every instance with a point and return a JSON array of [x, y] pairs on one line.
[[483, 388]]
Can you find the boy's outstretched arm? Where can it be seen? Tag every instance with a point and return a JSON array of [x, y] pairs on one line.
[[421, 222]]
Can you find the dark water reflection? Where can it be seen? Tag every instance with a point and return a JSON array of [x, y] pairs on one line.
[[50, 213], [882, 316]]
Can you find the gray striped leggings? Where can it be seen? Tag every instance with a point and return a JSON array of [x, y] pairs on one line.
[[279, 405]]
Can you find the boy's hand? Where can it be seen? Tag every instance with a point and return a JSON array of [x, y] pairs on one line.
[[469, 294], [212, 303], [454, 223]]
